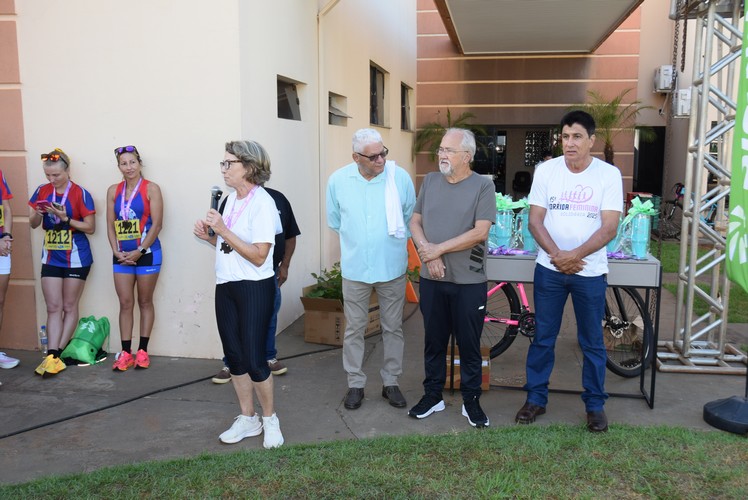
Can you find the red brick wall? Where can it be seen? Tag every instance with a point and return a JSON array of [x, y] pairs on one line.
[[19, 319]]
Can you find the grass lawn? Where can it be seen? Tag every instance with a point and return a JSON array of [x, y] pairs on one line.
[[557, 461], [737, 309]]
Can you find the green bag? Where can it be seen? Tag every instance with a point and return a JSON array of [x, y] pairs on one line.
[[87, 340]]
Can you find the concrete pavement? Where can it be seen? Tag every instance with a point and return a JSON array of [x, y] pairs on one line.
[[91, 417]]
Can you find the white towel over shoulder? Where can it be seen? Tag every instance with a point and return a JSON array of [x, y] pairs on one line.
[[392, 205]]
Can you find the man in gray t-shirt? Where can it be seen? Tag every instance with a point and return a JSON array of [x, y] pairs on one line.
[[451, 219]]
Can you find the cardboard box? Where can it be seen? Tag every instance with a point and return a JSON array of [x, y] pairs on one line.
[[324, 319], [485, 354]]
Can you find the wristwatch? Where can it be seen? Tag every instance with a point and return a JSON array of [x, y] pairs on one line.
[[3, 235], [142, 250]]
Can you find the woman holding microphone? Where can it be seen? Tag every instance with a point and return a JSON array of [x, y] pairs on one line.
[[245, 285]]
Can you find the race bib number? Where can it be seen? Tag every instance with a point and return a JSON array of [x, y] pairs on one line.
[[58, 240], [2, 215], [127, 229]]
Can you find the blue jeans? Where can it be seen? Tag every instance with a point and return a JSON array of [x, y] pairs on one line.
[[550, 291], [270, 351]]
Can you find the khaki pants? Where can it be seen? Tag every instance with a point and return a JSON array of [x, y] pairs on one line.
[[356, 297]]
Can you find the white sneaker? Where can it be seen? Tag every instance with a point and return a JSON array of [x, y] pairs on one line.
[[7, 361], [273, 437], [243, 427]]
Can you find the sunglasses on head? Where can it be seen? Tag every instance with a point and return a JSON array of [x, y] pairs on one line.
[[53, 157], [126, 149]]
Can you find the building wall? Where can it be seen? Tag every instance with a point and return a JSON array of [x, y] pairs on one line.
[[522, 92], [18, 320], [179, 78], [656, 49], [346, 50]]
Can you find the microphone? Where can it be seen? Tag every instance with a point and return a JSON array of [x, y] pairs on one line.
[[215, 197]]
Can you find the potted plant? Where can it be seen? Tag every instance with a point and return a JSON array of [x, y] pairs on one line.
[[329, 284], [324, 318]]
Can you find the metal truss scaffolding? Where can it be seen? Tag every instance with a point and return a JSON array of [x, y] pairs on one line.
[[699, 338]]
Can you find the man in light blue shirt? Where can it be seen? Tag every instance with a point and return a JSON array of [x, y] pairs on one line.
[[369, 205]]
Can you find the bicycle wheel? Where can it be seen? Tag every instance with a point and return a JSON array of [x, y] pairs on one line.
[[669, 223], [627, 330], [502, 307]]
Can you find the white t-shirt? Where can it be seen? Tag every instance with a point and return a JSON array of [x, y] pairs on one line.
[[573, 202], [259, 222]]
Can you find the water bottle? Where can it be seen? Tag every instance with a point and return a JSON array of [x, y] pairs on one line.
[[523, 223], [43, 340], [614, 245], [504, 227], [640, 225]]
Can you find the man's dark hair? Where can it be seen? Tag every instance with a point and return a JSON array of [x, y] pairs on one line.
[[582, 118]]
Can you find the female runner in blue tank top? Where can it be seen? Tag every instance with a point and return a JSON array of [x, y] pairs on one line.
[[134, 214], [66, 213]]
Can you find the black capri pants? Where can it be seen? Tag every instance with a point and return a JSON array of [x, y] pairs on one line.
[[243, 312]]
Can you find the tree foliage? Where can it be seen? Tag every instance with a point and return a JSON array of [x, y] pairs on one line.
[[613, 116], [430, 135]]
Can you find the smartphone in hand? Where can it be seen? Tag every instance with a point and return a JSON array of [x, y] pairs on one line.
[[43, 204]]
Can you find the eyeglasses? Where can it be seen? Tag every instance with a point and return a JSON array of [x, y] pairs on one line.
[[450, 151], [54, 157], [126, 149], [226, 164], [383, 154]]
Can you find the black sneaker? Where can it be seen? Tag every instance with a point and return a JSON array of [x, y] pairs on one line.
[[474, 413], [426, 406]]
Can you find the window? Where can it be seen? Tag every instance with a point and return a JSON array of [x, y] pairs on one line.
[[337, 105], [405, 92], [536, 141], [376, 87], [288, 100]]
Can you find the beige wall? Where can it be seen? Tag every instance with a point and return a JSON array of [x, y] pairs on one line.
[[656, 49], [178, 78], [350, 36], [163, 76]]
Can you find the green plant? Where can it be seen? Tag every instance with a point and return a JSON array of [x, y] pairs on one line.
[[329, 284], [413, 275], [430, 135], [512, 461], [613, 117]]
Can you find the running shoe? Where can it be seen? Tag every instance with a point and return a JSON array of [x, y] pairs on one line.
[[273, 437], [474, 413], [54, 366], [142, 360], [426, 406], [223, 376], [7, 362], [243, 427], [122, 361], [43, 366], [276, 367]]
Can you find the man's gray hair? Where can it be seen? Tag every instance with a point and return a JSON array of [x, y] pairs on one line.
[[365, 136], [468, 140]]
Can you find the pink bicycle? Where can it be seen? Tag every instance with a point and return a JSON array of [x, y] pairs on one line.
[[627, 327]]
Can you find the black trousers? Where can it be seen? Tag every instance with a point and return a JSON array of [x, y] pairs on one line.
[[243, 312]]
